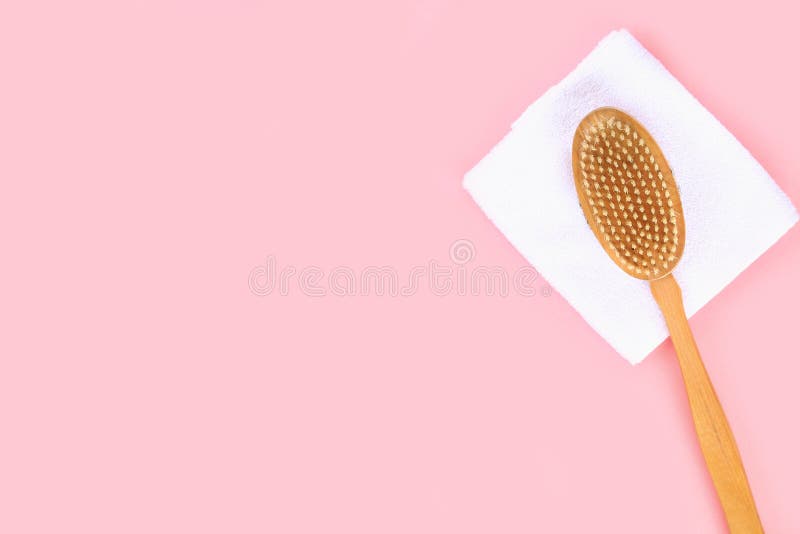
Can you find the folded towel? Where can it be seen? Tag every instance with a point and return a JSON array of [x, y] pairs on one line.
[[733, 210]]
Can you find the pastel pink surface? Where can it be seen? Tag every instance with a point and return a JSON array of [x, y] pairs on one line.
[[152, 154]]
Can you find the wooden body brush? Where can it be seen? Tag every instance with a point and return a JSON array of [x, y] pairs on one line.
[[631, 202]]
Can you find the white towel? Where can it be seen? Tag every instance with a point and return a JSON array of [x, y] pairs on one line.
[[734, 211]]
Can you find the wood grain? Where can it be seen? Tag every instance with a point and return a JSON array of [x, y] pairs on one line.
[[715, 436]]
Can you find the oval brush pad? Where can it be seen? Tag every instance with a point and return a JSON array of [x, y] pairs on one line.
[[628, 194]]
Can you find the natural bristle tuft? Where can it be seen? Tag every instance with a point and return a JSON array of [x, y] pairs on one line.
[[628, 193]]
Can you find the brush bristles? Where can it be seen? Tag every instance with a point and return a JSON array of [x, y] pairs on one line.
[[628, 195]]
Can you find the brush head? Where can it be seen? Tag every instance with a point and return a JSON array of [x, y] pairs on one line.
[[628, 194]]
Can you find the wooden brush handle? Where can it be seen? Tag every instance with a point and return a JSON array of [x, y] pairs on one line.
[[715, 436]]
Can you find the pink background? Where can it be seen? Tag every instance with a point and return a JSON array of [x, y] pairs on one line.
[[153, 153]]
